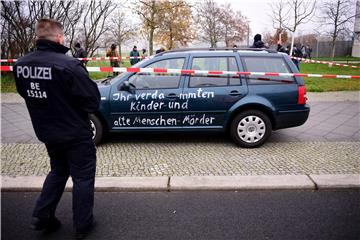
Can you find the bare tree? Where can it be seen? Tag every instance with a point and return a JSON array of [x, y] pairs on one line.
[[122, 29], [208, 17], [337, 17], [280, 15], [94, 23], [149, 12], [291, 14], [19, 25], [19, 19], [176, 27], [234, 25], [274, 38]]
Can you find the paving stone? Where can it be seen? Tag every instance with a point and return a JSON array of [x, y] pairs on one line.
[[192, 158]]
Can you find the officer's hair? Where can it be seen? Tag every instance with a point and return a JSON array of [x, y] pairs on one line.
[[48, 28]]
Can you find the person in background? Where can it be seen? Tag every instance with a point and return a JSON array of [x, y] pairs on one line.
[[303, 51], [134, 53], [79, 52], [257, 42], [296, 52], [112, 52], [162, 49], [308, 51], [143, 52], [235, 46]]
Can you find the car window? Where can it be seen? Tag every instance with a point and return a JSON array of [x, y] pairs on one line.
[[214, 64], [158, 80], [266, 64]]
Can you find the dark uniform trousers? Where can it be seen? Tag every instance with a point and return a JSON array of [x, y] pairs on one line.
[[77, 160]]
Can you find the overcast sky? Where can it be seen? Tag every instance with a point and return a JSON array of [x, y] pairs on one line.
[[258, 13]]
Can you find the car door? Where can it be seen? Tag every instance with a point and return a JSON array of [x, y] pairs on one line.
[[152, 100], [210, 97], [281, 91]]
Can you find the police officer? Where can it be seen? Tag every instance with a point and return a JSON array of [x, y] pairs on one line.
[[59, 96]]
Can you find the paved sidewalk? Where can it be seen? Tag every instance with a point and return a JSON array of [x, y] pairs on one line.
[[328, 143], [193, 158], [328, 121]]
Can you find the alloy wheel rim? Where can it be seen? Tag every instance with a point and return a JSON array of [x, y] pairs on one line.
[[93, 128]]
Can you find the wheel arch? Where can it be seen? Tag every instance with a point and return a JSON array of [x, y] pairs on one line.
[[103, 121]]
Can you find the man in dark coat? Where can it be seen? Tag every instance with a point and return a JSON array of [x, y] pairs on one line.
[[134, 56], [257, 42], [296, 53], [114, 57], [79, 52], [59, 96]]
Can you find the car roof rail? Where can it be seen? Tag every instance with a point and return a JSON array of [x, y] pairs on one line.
[[217, 49]]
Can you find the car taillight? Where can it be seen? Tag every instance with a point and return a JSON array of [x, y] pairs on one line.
[[302, 95]]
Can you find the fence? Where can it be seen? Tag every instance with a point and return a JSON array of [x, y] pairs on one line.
[[323, 48]]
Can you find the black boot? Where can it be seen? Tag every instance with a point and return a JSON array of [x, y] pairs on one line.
[[48, 224], [82, 233]]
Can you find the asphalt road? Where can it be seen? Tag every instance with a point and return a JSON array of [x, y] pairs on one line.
[[200, 215]]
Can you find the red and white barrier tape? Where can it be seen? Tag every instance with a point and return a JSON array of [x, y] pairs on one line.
[[200, 72], [143, 57], [90, 59], [324, 62]]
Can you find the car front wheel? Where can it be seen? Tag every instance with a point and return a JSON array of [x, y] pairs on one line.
[[97, 129], [251, 128]]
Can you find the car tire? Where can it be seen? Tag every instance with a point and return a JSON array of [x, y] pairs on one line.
[[97, 129], [250, 128]]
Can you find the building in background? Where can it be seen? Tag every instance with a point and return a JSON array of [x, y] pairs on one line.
[[356, 44]]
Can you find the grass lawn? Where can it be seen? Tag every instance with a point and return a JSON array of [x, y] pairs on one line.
[[348, 58], [101, 75], [330, 84], [312, 84], [7, 82]]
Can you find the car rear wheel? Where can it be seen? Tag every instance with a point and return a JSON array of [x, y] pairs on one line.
[[97, 129], [250, 128]]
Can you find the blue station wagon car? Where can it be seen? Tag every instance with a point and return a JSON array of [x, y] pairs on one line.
[[248, 107]]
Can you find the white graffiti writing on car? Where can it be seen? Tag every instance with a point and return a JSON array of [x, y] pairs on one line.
[[194, 120], [198, 94], [188, 120]]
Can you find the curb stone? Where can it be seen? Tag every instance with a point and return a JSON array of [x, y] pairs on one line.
[[102, 184], [330, 181], [196, 183], [262, 182]]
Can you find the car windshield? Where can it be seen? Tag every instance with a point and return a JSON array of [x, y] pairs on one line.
[[114, 79]]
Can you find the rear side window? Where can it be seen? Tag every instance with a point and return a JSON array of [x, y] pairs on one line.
[[266, 64], [214, 64]]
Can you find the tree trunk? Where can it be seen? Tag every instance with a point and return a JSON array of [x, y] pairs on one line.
[[120, 61], [292, 43], [151, 44], [333, 46]]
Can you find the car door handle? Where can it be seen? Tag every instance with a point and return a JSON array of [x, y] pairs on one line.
[[171, 95], [234, 93]]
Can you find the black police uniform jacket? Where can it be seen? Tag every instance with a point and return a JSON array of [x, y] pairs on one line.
[[58, 93]]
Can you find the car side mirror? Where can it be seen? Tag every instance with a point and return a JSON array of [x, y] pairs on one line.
[[126, 86]]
